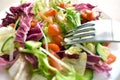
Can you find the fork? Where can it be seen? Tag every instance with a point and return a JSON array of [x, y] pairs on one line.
[[94, 31]]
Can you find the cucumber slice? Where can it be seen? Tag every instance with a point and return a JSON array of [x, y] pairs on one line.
[[88, 74], [102, 51], [32, 44], [8, 45]]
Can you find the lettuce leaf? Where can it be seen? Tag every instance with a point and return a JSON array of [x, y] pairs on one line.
[[44, 67], [73, 19]]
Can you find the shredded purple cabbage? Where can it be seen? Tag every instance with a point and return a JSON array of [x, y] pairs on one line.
[[32, 60], [93, 62], [23, 9], [23, 29], [62, 54], [10, 18], [5, 62], [18, 11], [82, 6], [86, 6], [35, 33]]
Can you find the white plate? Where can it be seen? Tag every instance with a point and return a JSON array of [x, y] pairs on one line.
[[114, 47]]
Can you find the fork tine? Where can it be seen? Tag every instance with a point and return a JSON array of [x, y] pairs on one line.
[[87, 29], [81, 35], [81, 26], [77, 41]]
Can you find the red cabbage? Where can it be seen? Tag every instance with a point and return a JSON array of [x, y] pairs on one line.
[[10, 18], [82, 6], [62, 54], [35, 33], [5, 62], [23, 9], [32, 60], [94, 63], [23, 29], [86, 6]]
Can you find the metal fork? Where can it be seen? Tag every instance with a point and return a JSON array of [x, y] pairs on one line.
[[94, 31]]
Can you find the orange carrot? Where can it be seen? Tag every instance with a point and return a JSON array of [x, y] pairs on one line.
[[45, 18], [51, 12], [33, 23], [110, 59], [54, 47]]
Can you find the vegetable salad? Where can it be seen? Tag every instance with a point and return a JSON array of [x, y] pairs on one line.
[[31, 42]]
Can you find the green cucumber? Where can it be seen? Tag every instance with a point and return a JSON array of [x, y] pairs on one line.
[[32, 45], [88, 74], [8, 45], [102, 51]]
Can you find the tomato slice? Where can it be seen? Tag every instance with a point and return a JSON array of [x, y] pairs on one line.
[[54, 30], [110, 59]]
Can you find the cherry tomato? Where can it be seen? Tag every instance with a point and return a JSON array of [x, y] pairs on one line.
[[54, 30]]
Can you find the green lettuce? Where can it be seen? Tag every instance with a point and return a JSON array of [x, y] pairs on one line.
[[44, 67]]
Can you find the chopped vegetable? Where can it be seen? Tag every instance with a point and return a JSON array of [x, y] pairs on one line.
[[103, 51], [110, 59]]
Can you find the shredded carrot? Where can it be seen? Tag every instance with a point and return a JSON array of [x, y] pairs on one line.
[[45, 18], [12, 25], [33, 23], [51, 12], [110, 59]]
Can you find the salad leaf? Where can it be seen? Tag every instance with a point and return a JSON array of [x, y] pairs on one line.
[[81, 6], [55, 3], [16, 12], [44, 67], [79, 64], [20, 69], [35, 33], [8, 19], [23, 9], [73, 19], [7, 32], [23, 29]]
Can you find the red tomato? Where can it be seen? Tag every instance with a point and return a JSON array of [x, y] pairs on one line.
[[54, 30]]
